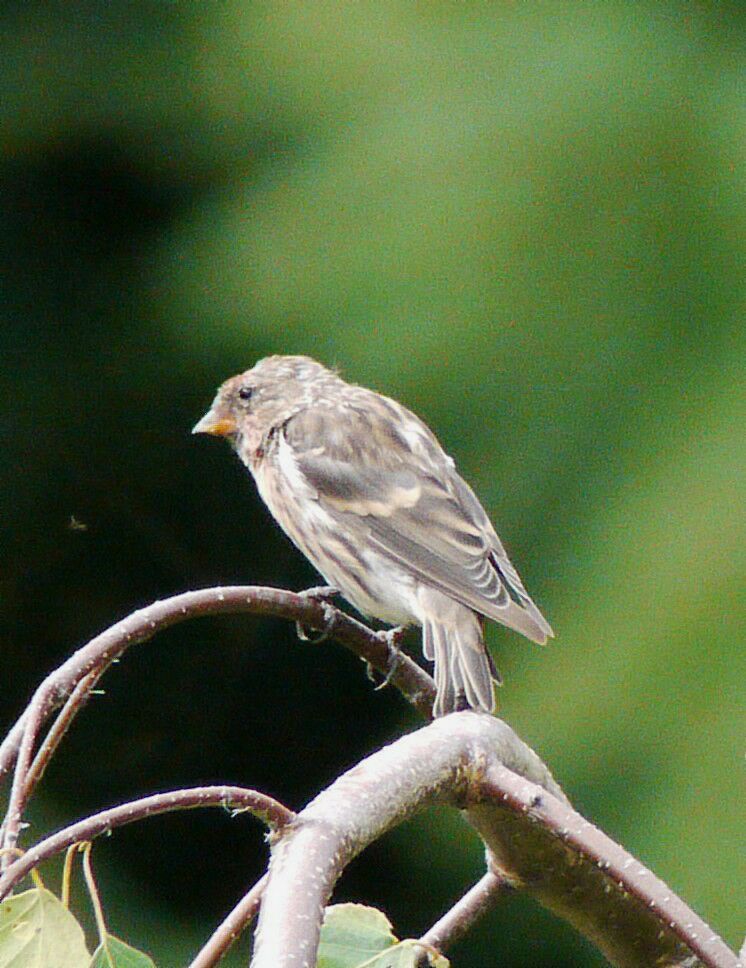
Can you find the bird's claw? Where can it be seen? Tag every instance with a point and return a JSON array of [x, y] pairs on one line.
[[393, 639], [323, 595]]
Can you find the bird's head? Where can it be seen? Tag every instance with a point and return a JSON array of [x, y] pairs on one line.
[[249, 406]]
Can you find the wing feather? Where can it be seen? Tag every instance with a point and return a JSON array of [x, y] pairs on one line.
[[391, 473]]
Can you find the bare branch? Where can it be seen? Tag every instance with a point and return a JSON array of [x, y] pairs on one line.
[[92, 660], [471, 761], [575, 870], [412, 681], [237, 799], [536, 840], [467, 911], [32, 722], [431, 765], [231, 928], [74, 703]]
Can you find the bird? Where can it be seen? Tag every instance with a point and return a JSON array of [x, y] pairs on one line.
[[365, 491]]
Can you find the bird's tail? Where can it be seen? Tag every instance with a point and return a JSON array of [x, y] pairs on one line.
[[463, 673]]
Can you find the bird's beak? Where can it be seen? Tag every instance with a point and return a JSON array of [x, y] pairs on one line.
[[216, 423]]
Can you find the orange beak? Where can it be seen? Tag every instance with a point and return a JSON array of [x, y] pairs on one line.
[[215, 423]]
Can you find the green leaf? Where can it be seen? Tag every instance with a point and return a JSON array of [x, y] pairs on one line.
[[351, 935], [37, 931], [114, 953]]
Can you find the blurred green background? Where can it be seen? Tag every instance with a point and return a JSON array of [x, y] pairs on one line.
[[525, 221]]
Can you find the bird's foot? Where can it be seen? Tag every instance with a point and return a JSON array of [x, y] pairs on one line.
[[393, 639], [323, 595]]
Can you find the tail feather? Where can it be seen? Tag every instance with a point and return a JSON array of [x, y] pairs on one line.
[[469, 656], [462, 668], [428, 646], [446, 698]]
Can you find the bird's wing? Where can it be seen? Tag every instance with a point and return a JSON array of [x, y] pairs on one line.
[[394, 477]]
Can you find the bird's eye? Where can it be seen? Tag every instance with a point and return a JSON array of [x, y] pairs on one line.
[[245, 393]]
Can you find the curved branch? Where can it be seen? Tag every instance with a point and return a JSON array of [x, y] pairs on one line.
[[32, 722], [73, 704], [622, 905], [238, 799], [536, 841], [412, 681], [428, 766], [91, 661]]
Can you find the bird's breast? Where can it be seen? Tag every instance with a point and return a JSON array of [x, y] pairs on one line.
[[337, 544]]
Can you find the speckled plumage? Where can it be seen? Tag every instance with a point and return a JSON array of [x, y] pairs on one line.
[[366, 492]]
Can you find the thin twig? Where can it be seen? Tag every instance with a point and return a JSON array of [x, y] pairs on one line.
[[33, 720], [231, 928], [90, 880], [237, 799], [75, 702], [67, 874], [466, 911]]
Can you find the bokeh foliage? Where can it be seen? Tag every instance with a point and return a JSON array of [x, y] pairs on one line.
[[527, 222]]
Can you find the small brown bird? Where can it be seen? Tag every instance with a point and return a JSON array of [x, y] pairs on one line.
[[366, 492]]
